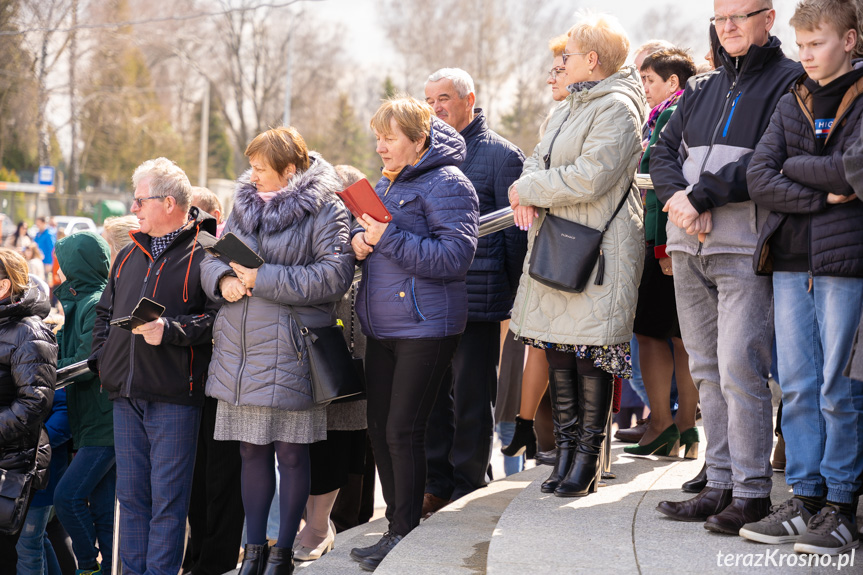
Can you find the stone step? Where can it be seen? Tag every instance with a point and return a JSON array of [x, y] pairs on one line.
[[338, 560], [455, 539], [618, 530]]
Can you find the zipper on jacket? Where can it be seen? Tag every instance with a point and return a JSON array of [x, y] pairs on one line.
[[243, 347], [731, 114], [719, 124], [127, 392], [414, 297]]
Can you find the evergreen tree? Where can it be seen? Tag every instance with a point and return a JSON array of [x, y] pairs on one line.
[[521, 124], [122, 121]]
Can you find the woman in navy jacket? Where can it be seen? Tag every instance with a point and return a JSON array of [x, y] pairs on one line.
[[412, 301]]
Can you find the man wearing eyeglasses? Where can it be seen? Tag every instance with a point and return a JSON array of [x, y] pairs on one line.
[[460, 430], [725, 310], [154, 373]]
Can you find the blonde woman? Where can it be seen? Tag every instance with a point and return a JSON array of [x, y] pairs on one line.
[[581, 171]]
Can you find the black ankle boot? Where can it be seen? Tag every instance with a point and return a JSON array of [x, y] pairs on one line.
[[697, 483], [594, 397], [563, 392], [280, 562], [254, 559], [523, 440]]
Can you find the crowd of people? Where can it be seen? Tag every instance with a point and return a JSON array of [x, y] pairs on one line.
[[748, 241]]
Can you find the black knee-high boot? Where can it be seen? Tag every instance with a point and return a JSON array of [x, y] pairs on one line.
[[563, 392], [594, 396]]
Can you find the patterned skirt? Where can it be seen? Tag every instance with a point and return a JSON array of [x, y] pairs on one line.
[[614, 359], [264, 425]]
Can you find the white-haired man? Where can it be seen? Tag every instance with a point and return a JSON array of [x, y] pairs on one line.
[[460, 431], [154, 374]]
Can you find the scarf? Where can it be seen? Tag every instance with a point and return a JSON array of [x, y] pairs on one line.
[[657, 111], [579, 86], [267, 196]]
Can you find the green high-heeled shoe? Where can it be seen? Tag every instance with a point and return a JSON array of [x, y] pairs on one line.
[[667, 443], [689, 440]]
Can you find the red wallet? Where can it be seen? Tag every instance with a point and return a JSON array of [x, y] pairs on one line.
[[360, 198]]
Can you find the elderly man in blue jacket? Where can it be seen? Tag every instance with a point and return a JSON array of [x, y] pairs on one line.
[[460, 431]]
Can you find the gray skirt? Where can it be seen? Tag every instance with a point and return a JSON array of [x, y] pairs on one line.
[[264, 425]]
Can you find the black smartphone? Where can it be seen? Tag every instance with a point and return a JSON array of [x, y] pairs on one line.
[[146, 311]]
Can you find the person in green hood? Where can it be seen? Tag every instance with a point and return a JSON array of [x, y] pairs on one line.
[[84, 499]]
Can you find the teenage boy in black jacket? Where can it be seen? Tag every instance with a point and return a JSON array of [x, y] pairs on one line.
[[155, 373], [812, 243]]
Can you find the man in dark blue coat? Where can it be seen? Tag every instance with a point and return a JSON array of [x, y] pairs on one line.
[[460, 431]]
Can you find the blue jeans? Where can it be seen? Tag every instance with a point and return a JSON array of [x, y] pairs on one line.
[[155, 445], [822, 410], [35, 553], [636, 382], [84, 501], [511, 465], [726, 319]]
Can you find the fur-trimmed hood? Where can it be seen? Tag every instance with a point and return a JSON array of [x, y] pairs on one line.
[[306, 193]]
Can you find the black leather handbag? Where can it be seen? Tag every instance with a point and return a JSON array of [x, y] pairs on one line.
[[564, 252], [333, 369], [15, 489]]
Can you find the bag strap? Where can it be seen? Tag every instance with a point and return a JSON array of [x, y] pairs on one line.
[[619, 205], [547, 157]]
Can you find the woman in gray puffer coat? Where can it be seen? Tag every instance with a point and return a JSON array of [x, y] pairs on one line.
[[285, 209]]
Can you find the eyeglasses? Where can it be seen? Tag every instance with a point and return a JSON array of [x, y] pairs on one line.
[[566, 55], [738, 19], [140, 201], [555, 72]]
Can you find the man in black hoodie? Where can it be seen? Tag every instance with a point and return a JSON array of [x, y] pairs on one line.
[[726, 317], [154, 374]]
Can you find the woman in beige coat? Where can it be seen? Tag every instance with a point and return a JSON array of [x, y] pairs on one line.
[[580, 171]]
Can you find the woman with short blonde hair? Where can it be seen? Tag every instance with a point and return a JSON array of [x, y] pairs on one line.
[[604, 35], [583, 171], [412, 301]]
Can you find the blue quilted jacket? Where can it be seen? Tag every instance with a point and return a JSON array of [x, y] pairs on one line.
[[413, 283], [492, 165]]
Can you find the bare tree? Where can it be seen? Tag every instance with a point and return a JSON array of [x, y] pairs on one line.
[[500, 41], [45, 16]]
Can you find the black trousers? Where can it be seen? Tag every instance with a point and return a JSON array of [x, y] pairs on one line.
[[461, 427], [402, 381], [216, 508]]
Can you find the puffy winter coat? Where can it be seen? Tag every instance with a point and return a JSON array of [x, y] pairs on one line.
[[492, 165], [28, 372], [707, 144], [592, 166], [85, 259], [789, 177], [260, 357], [413, 283], [173, 371]]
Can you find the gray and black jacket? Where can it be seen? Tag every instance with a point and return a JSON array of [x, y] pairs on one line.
[[707, 144], [259, 355]]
